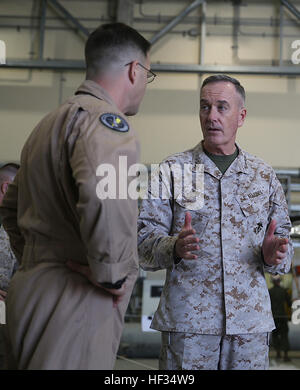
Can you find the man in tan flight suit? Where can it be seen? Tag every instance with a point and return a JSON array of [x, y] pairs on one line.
[[54, 212]]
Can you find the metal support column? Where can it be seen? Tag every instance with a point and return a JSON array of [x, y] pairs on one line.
[[203, 32], [125, 11], [281, 35], [42, 28]]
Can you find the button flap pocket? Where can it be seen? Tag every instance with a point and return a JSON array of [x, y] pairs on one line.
[[248, 206], [189, 205]]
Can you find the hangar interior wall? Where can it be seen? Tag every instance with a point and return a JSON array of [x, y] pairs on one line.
[[168, 120]]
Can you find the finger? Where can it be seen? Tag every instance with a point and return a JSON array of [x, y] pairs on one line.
[[190, 248], [275, 262], [189, 256], [280, 255], [182, 245], [190, 240], [271, 228], [187, 221], [282, 241], [75, 266], [3, 293], [120, 292], [278, 261], [283, 248], [72, 265], [116, 300], [79, 268], [185, 233]]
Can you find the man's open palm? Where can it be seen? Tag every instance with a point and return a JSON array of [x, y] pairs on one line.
[[274, 248]]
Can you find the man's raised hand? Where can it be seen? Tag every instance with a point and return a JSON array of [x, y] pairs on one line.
[[274, 248], [187, 240]]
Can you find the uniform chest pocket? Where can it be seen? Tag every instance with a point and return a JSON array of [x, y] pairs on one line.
[[254, 213], [200, 218]]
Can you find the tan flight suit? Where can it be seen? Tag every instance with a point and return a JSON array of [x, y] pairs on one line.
[[56, 318]]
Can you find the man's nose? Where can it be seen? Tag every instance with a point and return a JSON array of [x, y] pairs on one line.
[[212, 114]]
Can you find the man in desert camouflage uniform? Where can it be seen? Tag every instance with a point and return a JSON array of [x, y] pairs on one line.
[[8, 262], [215, 311]]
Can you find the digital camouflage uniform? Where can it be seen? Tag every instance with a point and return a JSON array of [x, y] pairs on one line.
[[223, 291], [8, 265], [8, 262]]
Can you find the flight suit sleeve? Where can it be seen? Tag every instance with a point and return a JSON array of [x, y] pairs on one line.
[[9, 214], [279, 211], [108, 226], [155, 243]]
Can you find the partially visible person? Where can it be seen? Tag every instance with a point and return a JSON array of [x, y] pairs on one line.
[[8, 262], [57, 318], [280, 299]]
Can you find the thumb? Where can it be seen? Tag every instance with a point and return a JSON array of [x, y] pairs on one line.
[[187, 221], [271, 228], [76, 267]]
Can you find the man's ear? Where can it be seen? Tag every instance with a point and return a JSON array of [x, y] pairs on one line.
[[4, 187], [242, 116], [132, 71]]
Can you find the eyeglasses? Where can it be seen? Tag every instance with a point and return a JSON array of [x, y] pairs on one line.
[[150, 75]]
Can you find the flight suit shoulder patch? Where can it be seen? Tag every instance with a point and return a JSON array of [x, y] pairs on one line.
[[114, 122]]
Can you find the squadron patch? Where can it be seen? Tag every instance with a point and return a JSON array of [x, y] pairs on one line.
[[114, 122]]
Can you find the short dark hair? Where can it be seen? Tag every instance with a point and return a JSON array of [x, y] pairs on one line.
[[223, 77], [106, 45], [8, 171]]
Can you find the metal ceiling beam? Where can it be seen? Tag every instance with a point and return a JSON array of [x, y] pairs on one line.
[[226, 69], [42, 64], [167, 68], [291, 8], [57, 6], [175, 21]]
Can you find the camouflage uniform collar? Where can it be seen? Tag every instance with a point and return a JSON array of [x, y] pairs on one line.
[[90, 87], [239, 165]]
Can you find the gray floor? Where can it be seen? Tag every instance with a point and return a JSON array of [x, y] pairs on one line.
[[123, 363], [136, 364]]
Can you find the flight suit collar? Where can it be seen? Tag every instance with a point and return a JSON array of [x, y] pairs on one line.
[[239, 165], [90, 87]]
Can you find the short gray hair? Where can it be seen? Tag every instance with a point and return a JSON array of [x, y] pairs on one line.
[[223, 77]]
